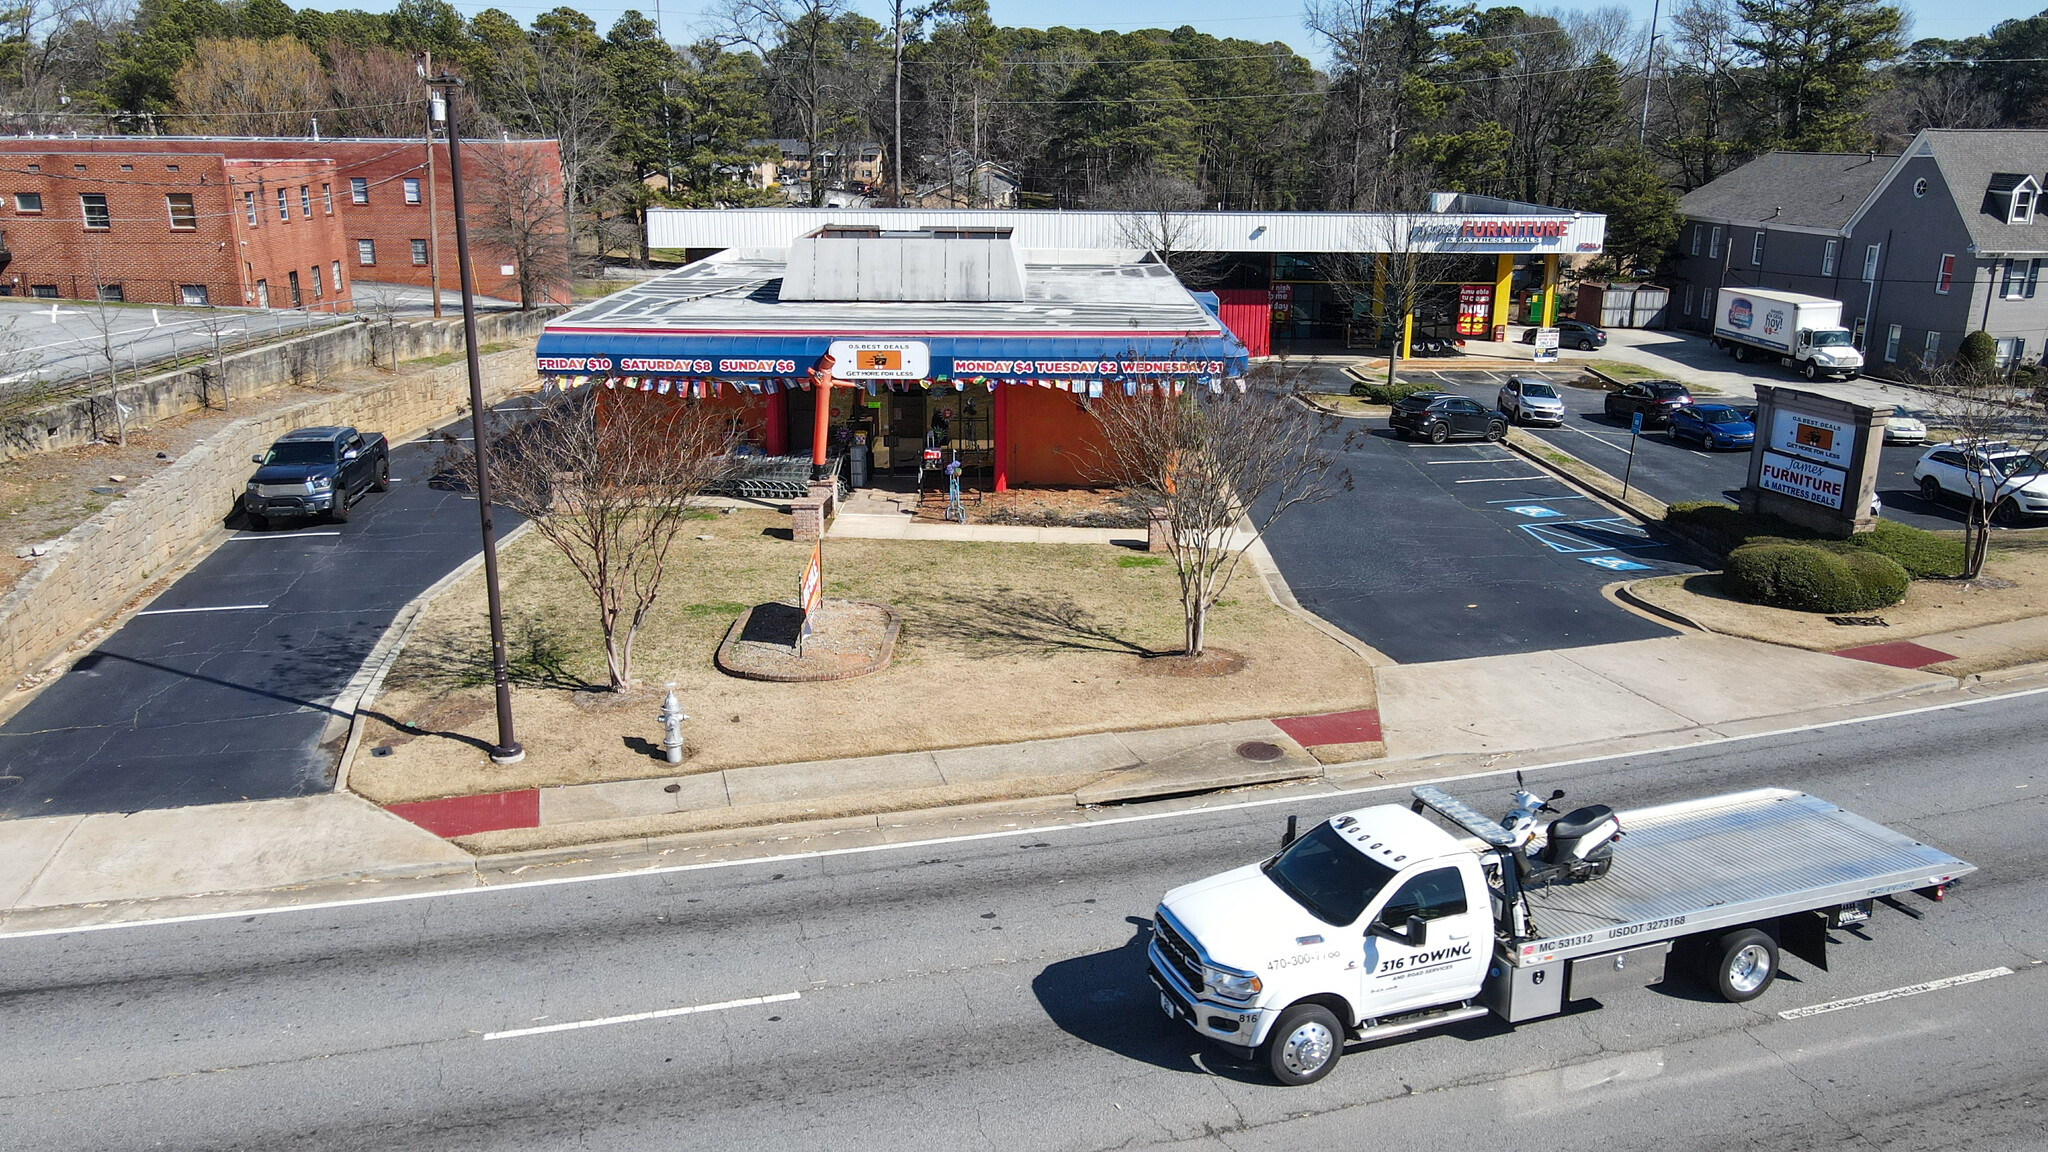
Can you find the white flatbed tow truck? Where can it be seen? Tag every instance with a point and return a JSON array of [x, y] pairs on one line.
[[1381, 922]]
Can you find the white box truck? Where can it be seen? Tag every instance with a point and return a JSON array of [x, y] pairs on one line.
[[1382, 921], [1804, 333]]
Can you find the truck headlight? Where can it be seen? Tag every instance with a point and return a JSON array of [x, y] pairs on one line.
[[250, 488], [321, 483], [1230, 983]]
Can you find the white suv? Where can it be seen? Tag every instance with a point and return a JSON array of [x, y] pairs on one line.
[[1992, 469]]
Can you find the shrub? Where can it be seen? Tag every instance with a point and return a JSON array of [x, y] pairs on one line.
[[1380, 392], [1923, 554], [1978, 350], [1812, 578], [1723, 529]]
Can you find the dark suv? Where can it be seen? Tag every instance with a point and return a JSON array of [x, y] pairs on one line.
[[1655, 399], [1438, 416]]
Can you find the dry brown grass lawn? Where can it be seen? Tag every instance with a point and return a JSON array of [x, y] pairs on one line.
[[2019, 589], [1000, 642]]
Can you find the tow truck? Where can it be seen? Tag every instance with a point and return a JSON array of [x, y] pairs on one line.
[[1388, 920]]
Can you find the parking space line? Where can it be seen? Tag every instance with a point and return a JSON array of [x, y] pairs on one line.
[[278, 535], [216, 608], [1526, 499], [1498, 479], [1500, 459]]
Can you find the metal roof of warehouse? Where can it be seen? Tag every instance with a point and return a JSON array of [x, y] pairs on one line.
[[725, 312]]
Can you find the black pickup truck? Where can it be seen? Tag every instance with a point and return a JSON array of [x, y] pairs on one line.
[[310, 471]]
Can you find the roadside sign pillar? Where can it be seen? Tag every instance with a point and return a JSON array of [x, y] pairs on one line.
[[1503, 284], [1550, 290]]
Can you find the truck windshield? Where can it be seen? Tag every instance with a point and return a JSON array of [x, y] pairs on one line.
[[301, 452], [1327, 876], [1833, 339]]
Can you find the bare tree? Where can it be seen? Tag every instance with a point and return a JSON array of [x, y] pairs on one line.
[[556, 86], [519, 213], [1392, 270], [217, 325], [1157, 215], [795, 38], [103, 320], [250, 88], [608, 477], [2001, 430], [1221, 463]]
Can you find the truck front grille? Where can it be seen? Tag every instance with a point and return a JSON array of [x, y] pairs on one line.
[[1179, 952], [299, 489]]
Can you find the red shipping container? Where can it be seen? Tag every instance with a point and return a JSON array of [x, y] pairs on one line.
[[1248, 313]]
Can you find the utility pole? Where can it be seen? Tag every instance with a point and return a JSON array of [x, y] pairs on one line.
[[426, 69], [1649, 70], [439, 108], [897, 8]]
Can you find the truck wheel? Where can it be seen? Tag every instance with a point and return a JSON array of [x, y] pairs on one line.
[[1438, 433], [383, 481], [258, 523], [1745, 962], [1740, 353], [1306, 1043], [1809, 370], [339, 513]]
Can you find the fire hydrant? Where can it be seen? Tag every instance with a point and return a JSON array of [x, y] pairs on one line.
[[672, 718]]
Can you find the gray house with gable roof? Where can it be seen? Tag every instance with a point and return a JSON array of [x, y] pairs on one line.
[[1921, 248]]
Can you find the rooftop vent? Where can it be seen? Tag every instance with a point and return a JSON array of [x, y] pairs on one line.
[[871, 263]]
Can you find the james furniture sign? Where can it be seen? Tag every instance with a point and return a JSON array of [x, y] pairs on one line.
[[1815, 461], [1804, 479]]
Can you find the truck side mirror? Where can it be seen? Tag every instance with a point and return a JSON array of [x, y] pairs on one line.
[[257, 459], [1415, 934], [349, 455]]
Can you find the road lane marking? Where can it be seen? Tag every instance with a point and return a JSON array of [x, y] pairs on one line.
[[1501, 479], [1895, 993], [278, 535], [1523, 499], [1503, 458], [215, 608], [1011, 833], [603, 1021]]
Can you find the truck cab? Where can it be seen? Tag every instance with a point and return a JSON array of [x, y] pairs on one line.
[[1372, 916], [1827, 352], [315, 471]]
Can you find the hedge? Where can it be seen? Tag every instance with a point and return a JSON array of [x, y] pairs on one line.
[[1723, 529], [1380, 392], [1812, 578]]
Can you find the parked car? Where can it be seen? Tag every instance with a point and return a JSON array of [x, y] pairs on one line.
[[1530, 400], [1574, 334], [1431, 335], [1439, 416], [1655, 399], [1900, 429], [1713, 425], [1991, 469], [311, 471]]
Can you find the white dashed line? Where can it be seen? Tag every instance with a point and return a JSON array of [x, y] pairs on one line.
[[217, 608], [638, 1016], [1895, 993]]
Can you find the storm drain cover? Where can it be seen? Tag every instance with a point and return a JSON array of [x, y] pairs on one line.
[[1259, 750]]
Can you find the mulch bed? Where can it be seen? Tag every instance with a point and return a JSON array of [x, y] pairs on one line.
[[1212, 662], [849, 638], [1035, 508]]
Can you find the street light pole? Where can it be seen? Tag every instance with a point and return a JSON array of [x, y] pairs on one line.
[[426, 69], [1649, 72], [507, 750]]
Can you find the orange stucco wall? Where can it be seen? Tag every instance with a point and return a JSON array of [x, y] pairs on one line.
[[1052, 440]]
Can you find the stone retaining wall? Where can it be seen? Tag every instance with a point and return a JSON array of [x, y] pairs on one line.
[[98, 566], [306, 359]]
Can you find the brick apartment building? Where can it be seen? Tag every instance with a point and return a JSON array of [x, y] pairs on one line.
[[244, 220]]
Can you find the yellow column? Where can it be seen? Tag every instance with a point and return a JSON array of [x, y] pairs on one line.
[[1407, 333], [1503, 283], [1550, 290]]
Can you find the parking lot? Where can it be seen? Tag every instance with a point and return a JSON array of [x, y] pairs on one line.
[[1672, 471], [1440, 552]]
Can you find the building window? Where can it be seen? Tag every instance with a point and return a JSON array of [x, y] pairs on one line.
[[183, 218], [263, 293], [1919, 188], [192, 295], [1696, 230], [315, 270], [1946, 277], [111, 294], [95, 207], [170, 167], [412, 190], [1688, 299], [2013, 283], [1931, 351], [43, 291], [1856, 336], [305, 201], [2009, 351], [1891, 343], [337, 275], [2033, 277], [327, 198], [1756, 251], [284, 207], [1870, 264], [1827, 258], [359, 189], [1714, 243], [292, 281], [2022, 206], [249, 203], [30, 202], [366, 252], [419, 252]]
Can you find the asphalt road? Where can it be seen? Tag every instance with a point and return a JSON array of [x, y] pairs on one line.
[[57, 340], [220, 690], [1441, 552], [988, 994]]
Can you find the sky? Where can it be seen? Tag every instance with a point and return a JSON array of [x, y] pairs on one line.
[[684, 20]]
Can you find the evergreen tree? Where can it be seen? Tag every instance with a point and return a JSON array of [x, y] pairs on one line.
[[1816, 63]]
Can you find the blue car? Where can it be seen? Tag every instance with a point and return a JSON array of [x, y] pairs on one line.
[[1713, 425]]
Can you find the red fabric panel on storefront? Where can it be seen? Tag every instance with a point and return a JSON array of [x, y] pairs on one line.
[[1249, 315]]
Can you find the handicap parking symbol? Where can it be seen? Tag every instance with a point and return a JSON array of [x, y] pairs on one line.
[[1616, 563], [1534, 511]]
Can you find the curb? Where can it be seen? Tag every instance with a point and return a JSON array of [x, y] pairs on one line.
[[1625, 592], [1282, 596]]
